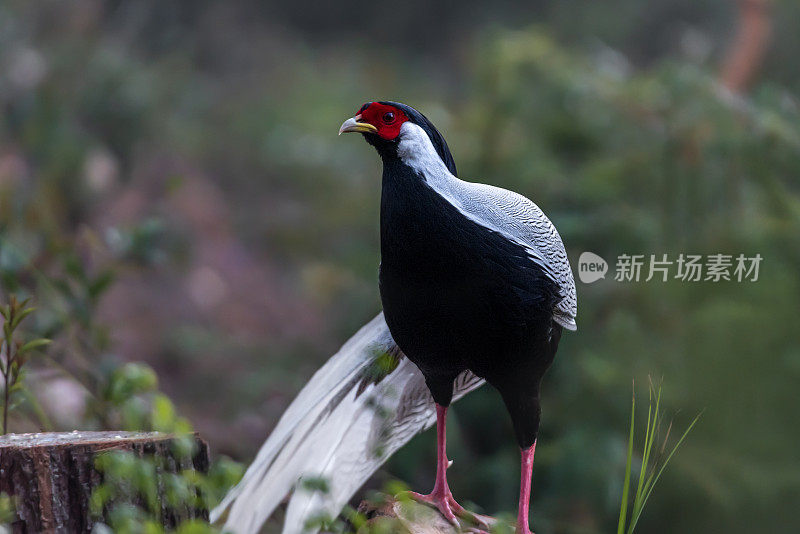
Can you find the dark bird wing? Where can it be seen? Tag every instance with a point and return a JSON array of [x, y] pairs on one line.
[[521, 221]]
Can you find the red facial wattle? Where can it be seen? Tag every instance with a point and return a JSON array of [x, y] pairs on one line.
[[387, 119]]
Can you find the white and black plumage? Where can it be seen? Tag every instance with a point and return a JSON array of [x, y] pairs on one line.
[[500, 210], [475, 284]]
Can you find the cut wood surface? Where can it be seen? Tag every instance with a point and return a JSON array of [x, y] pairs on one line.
[[50, 476]]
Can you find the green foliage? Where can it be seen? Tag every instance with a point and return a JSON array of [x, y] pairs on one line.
[[6, 509], [14, 354], [651, 467], [69, 285], [136, 490], [64, 272], [131, 396]]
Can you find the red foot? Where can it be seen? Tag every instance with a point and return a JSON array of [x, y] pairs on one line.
[[441, 498], [451, 510], [440, 501]]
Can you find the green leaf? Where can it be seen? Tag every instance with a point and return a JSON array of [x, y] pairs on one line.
[[101, 496], [74, 268], [99, 285], [626, 484], [163, 413], [647, 480], [652, 427], [34, 344], [316, 484], [63, 287], [635, 519], [19, 318]]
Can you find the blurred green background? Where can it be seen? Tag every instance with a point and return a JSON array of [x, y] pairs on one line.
[[173, 192]]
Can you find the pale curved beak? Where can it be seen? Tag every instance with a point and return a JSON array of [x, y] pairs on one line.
[[353, 125]]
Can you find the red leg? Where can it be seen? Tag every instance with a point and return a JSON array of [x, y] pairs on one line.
[[525, 489], [441, 497]]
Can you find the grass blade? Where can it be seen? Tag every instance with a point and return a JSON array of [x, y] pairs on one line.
[[626, 485], [635, 517], [650, 434], [648, 474]]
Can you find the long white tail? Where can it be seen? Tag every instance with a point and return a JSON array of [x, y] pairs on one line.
[[366, 402]]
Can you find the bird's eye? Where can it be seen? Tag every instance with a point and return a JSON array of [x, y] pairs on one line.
[[388, 117]]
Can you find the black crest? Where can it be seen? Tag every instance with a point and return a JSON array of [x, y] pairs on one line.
[[436, 138]]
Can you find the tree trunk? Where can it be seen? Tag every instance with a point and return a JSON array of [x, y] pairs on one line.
[[50, 476], [746, 52]]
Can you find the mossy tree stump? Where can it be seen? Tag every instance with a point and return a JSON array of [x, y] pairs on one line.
[[50, 476]]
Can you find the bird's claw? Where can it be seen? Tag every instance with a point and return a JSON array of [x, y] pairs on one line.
[[451, 510], [441, 502]]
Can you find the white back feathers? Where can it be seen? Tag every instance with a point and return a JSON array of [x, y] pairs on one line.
[[500, 210]]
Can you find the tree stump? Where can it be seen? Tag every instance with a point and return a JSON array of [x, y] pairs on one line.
[[50, 476]]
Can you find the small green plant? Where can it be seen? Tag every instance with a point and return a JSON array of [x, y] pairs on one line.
[[137, 491], [14, 353], [652, 465], [6, 510]]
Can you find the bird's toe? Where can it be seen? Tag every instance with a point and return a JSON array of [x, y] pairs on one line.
[[483, 522], [440, 502]]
